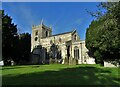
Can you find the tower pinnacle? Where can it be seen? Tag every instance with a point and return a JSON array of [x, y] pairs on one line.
[[42, 21]]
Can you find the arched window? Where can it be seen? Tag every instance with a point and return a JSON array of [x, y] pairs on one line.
[[75, 37], [36, 38], [76, 52], [36, 33], [46, 33]]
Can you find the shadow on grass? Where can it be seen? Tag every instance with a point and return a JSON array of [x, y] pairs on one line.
[[7, 68], [68, 76], [18, 67]]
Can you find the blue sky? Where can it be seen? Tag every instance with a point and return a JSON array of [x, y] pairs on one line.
[[62, 16]]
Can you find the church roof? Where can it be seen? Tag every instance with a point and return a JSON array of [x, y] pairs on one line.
[[62, 33]]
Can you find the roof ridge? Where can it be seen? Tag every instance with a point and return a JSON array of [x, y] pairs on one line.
[[63, 33], [59, 34]]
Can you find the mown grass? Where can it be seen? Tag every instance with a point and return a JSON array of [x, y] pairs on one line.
[[58, 74]]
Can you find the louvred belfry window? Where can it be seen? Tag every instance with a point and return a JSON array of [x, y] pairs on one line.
[[36, 33]]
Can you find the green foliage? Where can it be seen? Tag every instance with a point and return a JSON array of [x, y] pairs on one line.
[[54, 54], [103, 34], [24, 46], [53, 51], [14, 47], [9, 38]]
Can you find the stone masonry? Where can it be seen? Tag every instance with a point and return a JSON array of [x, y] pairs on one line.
[[60, 46]]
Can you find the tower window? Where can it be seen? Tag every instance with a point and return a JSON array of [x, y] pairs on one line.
[[36, 33], [36, 38]]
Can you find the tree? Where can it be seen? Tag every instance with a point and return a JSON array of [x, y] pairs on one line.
[[103, 34], [24, 46], [55, 54], [9, 38], [14, 47]]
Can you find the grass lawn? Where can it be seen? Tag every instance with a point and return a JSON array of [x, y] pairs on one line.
[[58, 74]]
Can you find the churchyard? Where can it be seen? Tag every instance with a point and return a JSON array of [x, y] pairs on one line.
[[58, 74]]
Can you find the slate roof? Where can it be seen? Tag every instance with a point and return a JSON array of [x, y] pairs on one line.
[[62, 33], [59, 34]]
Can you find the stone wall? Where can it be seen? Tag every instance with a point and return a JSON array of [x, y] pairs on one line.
[[55, 39], [109, 64], [62, 41]]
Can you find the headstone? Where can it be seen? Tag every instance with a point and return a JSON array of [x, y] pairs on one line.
[[12, 62], [1, 63]]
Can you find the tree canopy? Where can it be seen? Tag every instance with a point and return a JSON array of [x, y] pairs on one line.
[[24, 46], [103, 34], [15, 46], [9, 37]]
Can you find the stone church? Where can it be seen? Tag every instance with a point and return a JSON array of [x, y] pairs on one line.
[[64, 47]]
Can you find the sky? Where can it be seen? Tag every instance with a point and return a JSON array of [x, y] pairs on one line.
[[61, 16]]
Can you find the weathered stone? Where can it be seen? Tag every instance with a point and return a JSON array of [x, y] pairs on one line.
[[111, 64], [65, 46]]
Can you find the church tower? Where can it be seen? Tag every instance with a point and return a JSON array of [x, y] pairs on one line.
[[38, 32]]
